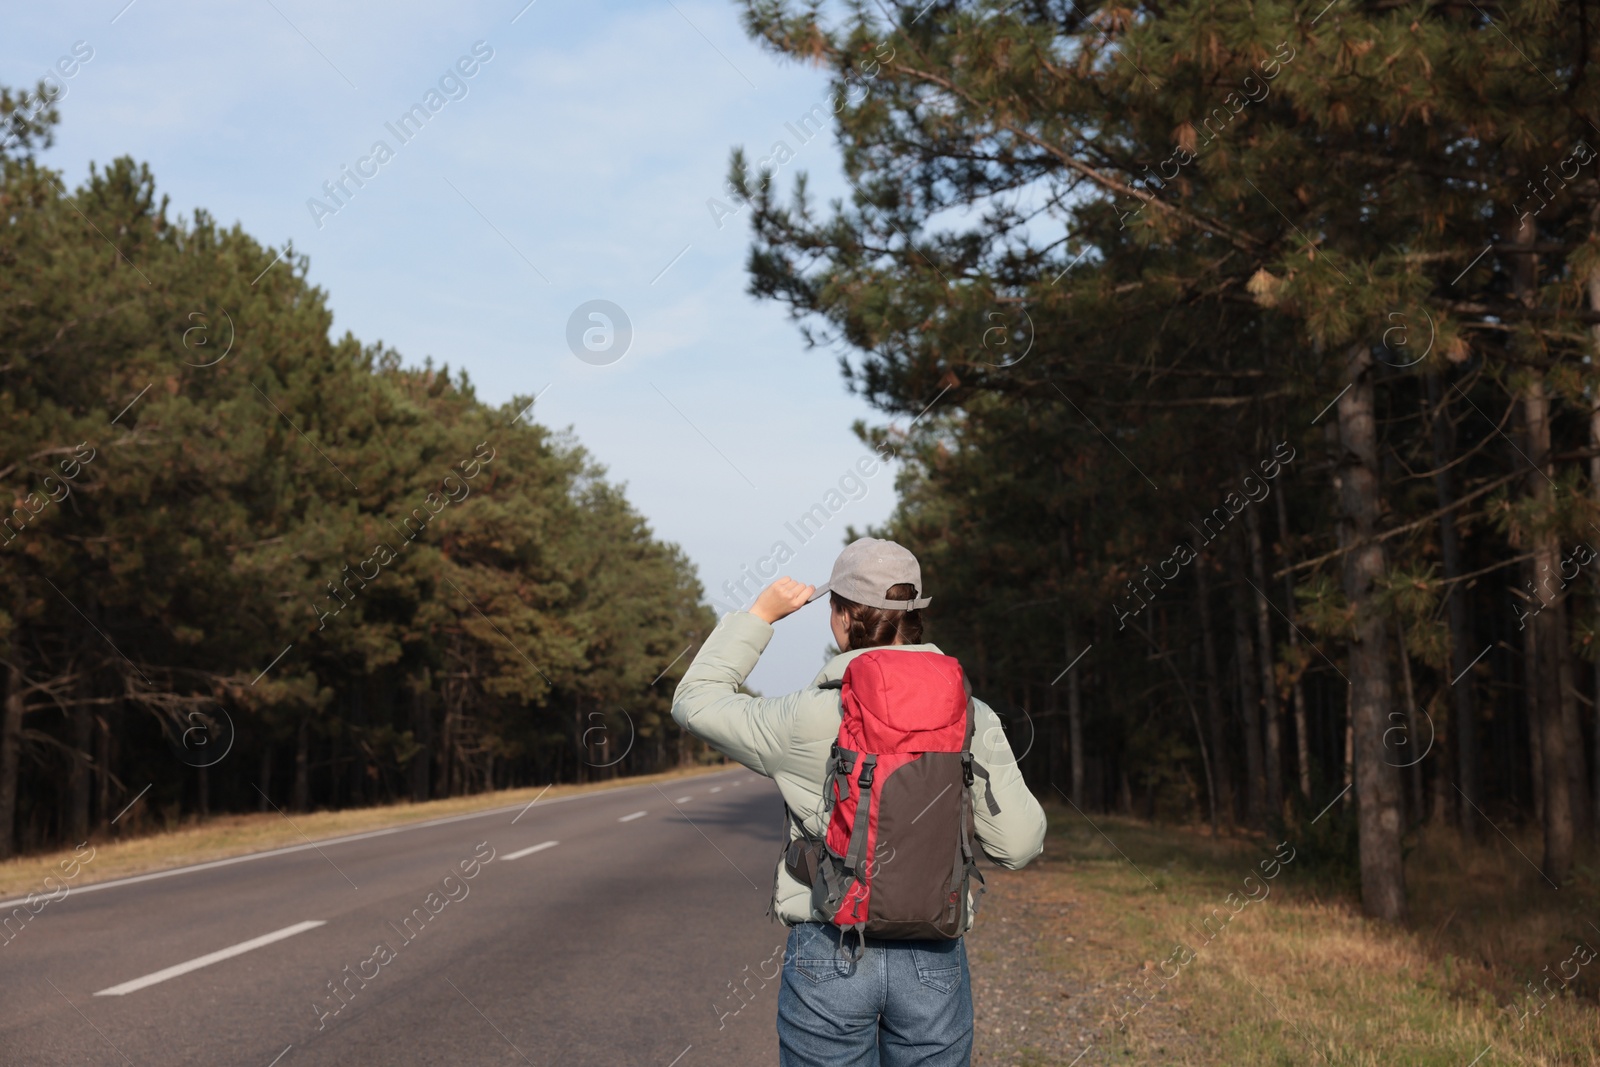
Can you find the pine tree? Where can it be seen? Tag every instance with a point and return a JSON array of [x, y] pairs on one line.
[[218, 513], [1217, 220]]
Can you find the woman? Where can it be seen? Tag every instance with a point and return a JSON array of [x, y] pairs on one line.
[[899, 1002]]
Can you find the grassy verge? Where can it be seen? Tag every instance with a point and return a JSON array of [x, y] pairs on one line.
[[1124, 947], [232, 835]]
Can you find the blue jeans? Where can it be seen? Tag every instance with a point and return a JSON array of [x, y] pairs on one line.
[[902, 1003]]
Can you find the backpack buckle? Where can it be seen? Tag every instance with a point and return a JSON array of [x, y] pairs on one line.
[[966, 769]]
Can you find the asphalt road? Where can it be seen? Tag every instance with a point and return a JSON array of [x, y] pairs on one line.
[[619, 944]]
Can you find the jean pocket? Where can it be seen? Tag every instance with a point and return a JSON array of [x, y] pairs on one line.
[[817, 954], [940, 968]]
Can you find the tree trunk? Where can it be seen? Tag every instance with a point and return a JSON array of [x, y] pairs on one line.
[[1594, 491], [1464, 721], [422, 732], [1530, 693], [1549, 633], [1055, 745], [1074, 687], [11, 714], [1302, 742], [1250, 709], [82, 777], [1273, 756], [1214, 721], [1074, 717], [1349, 742], [1383, 891], [447, 745], [264, 774], [1572, 732], [1409, 756], [1594, 821], [336, 784], [1332, 436], [102, 768], [10, 755], [1548, 626], [302, 775], [1440, 814]]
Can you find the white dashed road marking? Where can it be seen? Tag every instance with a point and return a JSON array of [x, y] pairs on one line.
[[635, 815], [209, 958], [521, 852]]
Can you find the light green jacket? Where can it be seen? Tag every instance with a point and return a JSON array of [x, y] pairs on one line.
[[787, 739]]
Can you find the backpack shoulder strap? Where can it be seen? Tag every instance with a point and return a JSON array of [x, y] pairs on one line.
[[970, 767]]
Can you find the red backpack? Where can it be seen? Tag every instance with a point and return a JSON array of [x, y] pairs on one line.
[[897, 860]]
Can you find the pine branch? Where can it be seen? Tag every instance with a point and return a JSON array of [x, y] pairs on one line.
[[1243, 241], [1397, 530]]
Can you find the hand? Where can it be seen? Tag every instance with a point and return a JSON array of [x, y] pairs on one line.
[[783, 597]]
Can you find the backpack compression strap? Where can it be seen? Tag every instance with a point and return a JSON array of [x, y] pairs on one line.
[[966, 864], [840, 763], [970, 767], [863, 817], [974, 769], [836, 776]]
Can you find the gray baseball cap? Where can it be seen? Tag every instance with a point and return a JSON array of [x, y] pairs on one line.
[[867, 568]]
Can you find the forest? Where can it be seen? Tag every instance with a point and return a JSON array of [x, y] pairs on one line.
[[1245, 354], [210, 602], [1236, 361]]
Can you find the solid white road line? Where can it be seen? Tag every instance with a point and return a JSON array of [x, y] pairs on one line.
[[521, 852], [326, 843], [635, 815], [209, 958]]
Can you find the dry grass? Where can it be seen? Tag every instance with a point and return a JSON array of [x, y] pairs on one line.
[[1069, 945], [219, 837]]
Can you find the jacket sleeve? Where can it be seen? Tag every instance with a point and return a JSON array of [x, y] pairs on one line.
[[751, 730], [1016, 835]]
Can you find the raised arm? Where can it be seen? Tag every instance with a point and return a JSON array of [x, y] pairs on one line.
[[752, 730]]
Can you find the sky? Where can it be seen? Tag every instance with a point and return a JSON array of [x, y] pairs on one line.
[[577, 162]]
